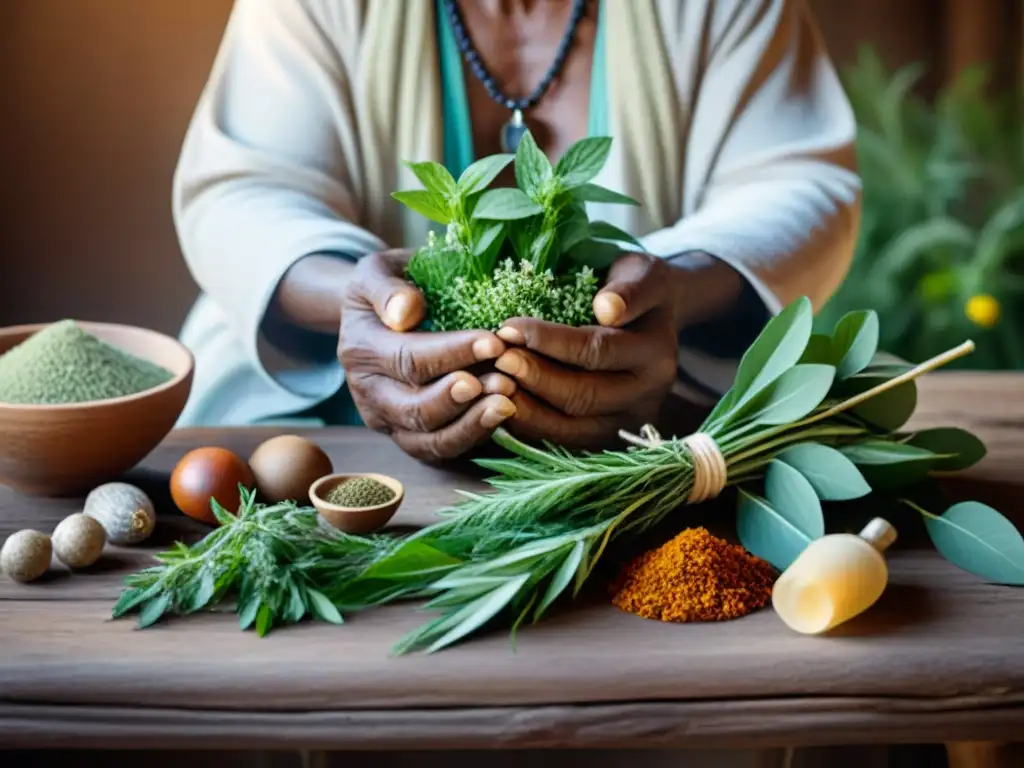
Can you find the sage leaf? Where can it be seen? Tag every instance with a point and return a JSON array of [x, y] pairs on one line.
[[891, 465], [425, 203], [488, 239], [959, 447], [778, 348], [888, 410], [480, 611], [854, 342], [154, 609], [787, 489], [321, 607], [819, 350], [506, 204], [594, 193], [602, 230], [562, 578], [831, 474], [769, 533], [435, 178], [533, 169], [795, 394], [583, 161], [478, 176], [978, 539]]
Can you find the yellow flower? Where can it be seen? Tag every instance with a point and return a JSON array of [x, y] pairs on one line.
[[983, 310]]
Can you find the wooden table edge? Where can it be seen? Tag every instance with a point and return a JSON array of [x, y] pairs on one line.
[[630, 725]]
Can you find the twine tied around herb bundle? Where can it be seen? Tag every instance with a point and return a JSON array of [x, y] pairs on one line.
[[710, 471]]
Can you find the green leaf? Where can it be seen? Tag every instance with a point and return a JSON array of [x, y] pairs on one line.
[[962, 448], [488, 239], [506, 204], [264, 620], [574, 227], [819, 350], [322, 607], [891, 465], [425, 203], [978, 539], [787, 489], [771, 534], [247, 614], [596, 254], [480, 174], [888, 410], [410, 562], [540, 248], [480, 611], [154, 609], [602, 230], [593, 193], [777, 349], [533, 169], [222, 515], [583, 161], [296, 605], [831, 474], [132, 598], [435, 177], [795, 394], [204, 591], [562, 578], [855, 341]]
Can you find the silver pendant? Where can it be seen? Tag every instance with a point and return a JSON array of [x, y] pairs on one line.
[[512, 132]]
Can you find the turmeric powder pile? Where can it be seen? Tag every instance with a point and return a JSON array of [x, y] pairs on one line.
[[694, 577]]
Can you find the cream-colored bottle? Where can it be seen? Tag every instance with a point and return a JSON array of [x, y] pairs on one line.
[[834, 579]]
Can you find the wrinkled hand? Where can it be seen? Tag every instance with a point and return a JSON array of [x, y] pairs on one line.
[[414, 385], [579, 386]]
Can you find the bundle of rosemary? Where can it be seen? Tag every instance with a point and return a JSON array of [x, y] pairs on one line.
[[526, 251], [811, 418]]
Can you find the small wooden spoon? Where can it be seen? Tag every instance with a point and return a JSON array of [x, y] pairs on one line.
[[355, 520]]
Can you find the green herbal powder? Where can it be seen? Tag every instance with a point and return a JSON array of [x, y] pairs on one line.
[[360, 492], [65, 364]]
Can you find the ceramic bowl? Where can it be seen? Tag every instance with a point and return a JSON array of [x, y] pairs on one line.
[[356, 520], [64, 450]]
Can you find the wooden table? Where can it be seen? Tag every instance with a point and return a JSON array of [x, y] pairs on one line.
[[940, 658]]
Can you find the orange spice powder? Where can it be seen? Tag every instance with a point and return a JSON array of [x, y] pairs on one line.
[[695, 577]]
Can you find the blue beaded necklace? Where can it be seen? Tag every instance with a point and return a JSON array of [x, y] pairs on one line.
[[513, 130]]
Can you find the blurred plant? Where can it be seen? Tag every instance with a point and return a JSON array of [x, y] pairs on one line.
[[941, 247]]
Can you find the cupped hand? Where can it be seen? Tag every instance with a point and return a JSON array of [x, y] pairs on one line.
[[415, 385], [579, 386]]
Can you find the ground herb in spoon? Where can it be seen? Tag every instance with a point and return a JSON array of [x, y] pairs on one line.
[[360, 493]]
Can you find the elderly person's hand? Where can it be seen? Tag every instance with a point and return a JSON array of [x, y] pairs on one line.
[[414, 385], [579, 386]]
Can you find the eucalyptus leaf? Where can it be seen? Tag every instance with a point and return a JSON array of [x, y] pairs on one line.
[[506, 204], [888, 410], [769, 533], [854, 342], [478, 176], [425, 203], [787, 489], [819, 350], [831, 474], [961, 447], [795, 394], [533, 169], [978, 539], [891, 465], [583, 161], [593, 193], [435, 178]]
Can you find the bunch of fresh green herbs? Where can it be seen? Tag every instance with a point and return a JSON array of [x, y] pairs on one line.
[[811, 418], [525, 251], [940, 253]]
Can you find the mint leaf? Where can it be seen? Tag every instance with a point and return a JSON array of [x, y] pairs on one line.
[[594, 193], [583, 161], [533, 169], [428, 204], [435, 178], [602, 230], [574, 227], [596, 254], [480, 174], [506, 205]]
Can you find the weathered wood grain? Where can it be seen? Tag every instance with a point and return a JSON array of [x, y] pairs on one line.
[[939, 657]]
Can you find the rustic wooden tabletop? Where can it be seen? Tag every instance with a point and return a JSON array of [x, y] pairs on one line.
[[940, 657]]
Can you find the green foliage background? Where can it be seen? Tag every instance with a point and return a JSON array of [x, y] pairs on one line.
[[943, 214]]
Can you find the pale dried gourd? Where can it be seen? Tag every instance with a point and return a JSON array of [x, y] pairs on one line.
[[26, 555], [78, 541], [125, 512]]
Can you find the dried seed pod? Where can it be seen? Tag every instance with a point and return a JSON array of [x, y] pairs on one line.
[[78, 541], [26, 555], [125, 512]]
